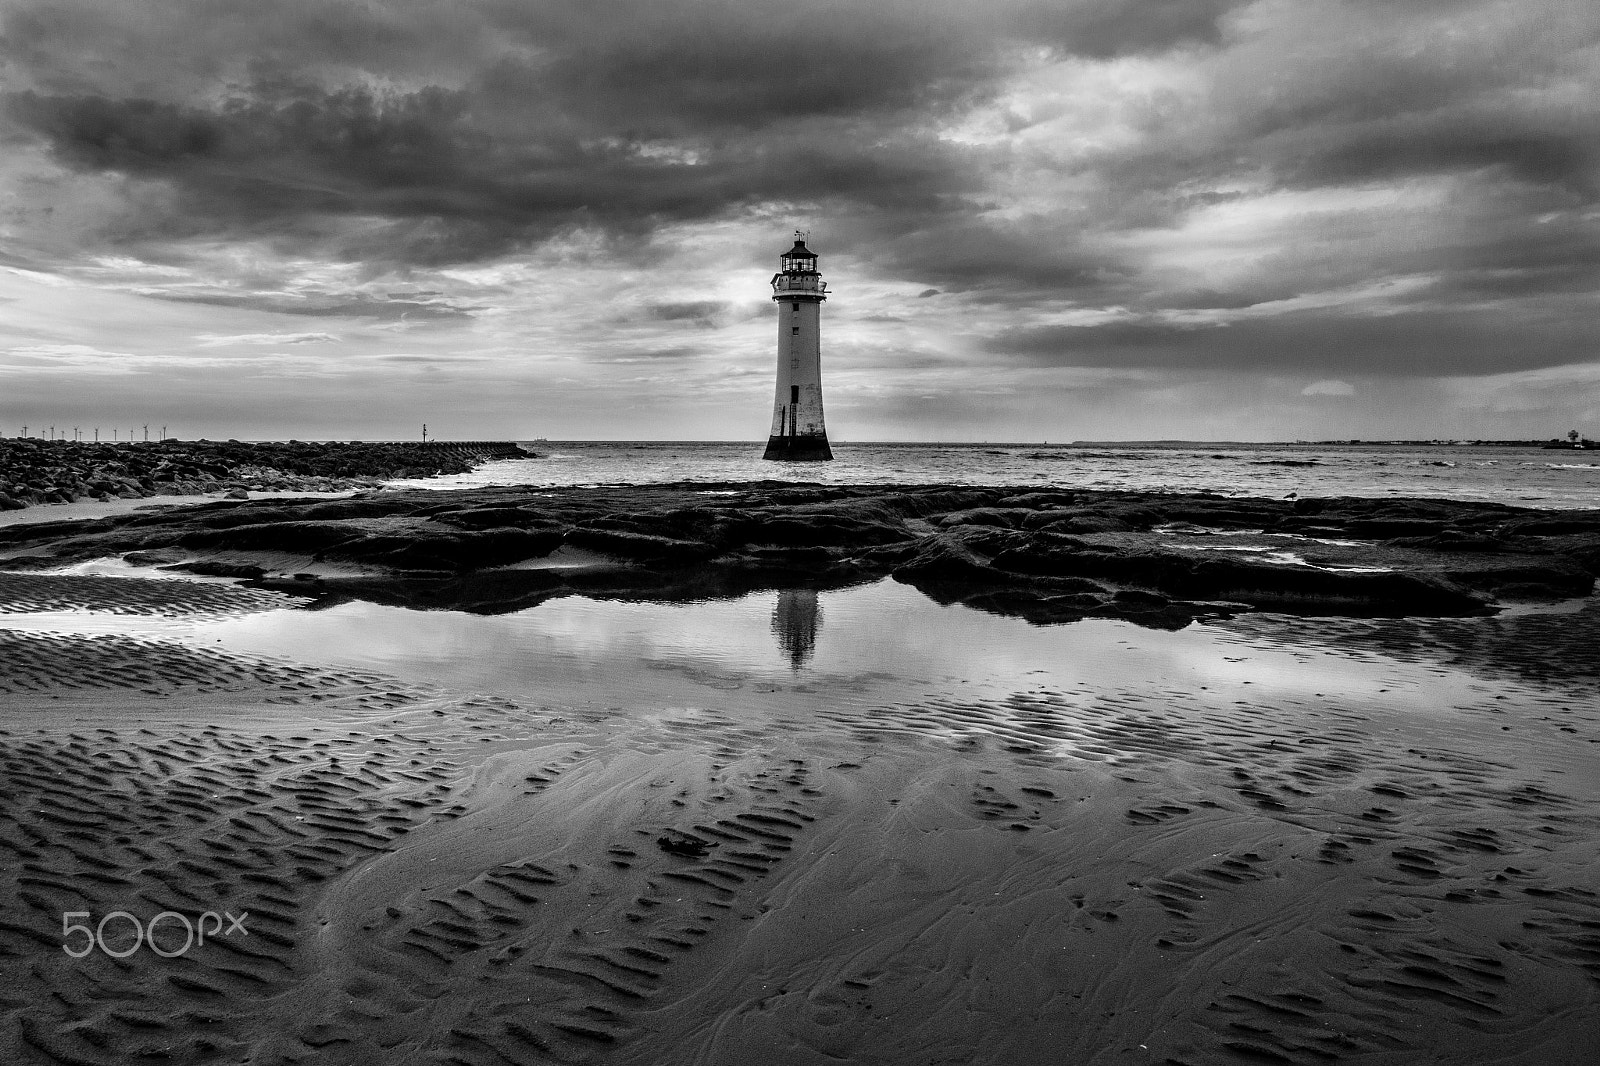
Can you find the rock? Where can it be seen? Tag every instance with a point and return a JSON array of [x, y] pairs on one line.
[[1303, 590], [994, 549], [237, 494], [1456, 540], [644, 547], [1088, 523], [218, 568], [816, 528], [944, 559], [286, 536], [1526, 579], [1140, 598], [445, 549], [683, 845], [1005, 518], [1387, 528], [156, 557], [490, 517]]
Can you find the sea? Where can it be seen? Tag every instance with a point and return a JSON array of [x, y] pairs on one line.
[[1523, 476]]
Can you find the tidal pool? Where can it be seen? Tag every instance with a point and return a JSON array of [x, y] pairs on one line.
[[874, 637]]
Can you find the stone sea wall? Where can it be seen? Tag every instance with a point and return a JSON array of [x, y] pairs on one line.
[[37, 471]]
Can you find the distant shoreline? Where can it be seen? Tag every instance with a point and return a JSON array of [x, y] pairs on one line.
[[1160, 442], [34, 471]]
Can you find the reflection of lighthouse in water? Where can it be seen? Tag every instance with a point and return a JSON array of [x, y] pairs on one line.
[[795, 620]]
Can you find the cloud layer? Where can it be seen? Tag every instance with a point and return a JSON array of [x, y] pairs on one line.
[[1305, 196]]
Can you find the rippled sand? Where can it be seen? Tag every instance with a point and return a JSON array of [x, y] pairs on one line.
[[794, 828]]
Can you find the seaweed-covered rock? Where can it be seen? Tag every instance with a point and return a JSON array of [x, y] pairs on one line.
[[643, 547], [946, 558]]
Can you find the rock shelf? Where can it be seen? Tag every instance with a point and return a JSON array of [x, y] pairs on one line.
[[1049, 556]]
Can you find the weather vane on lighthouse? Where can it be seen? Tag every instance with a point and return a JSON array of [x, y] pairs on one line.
[[798, 432]]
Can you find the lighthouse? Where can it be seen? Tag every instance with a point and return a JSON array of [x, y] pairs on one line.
[[797, 430]]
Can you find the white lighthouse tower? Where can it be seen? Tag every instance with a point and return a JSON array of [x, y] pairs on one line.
[[798, 290]]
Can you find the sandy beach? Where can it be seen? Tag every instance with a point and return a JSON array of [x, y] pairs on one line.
[[872, 820]]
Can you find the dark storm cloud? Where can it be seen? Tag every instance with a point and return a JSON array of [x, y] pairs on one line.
[[1566, 160], [705, 314], [694, 309], [429, 359], [735, 64], [1102, 29], [175, 47], [441, 188], [646, 355], [383, 309], [1380, 125], [1011, 262], [1215, 299], [425, 133], [1371, 89], [668, 67], [1522, 255], [750, 73], [1319, 343], [435, 133]]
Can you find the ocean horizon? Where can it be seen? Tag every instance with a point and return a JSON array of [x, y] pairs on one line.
[[1525, 476]]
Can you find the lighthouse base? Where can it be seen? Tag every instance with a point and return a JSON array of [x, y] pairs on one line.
[[810, 449]]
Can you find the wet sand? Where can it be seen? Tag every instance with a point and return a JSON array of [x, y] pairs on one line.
[[85, 509], [1265, 840]]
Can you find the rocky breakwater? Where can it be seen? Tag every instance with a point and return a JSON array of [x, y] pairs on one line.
[[36, 471], [1161, 560]]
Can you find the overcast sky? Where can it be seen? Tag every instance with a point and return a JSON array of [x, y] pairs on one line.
[[1041, 219]]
